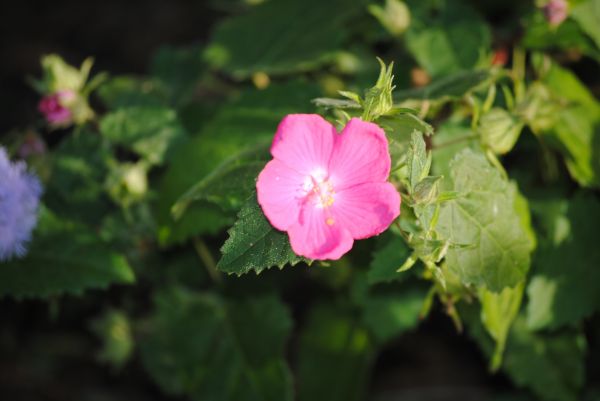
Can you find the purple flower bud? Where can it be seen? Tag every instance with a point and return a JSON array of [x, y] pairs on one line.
[[54, 110], [19, 200], [556, 11]]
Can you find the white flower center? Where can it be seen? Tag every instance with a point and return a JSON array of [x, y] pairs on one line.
[[319, 190]]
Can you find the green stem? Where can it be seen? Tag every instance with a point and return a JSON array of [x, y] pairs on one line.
[[208, 260]]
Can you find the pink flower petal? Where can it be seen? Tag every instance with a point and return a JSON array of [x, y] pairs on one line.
[[360, 155], [314, 237], [278, 189], [304, 142], [367, 209]]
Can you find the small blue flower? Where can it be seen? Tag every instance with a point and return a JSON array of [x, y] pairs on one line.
[[19, 200]]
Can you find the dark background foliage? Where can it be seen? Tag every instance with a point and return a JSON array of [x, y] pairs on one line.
[[121, 35], [48, 349]]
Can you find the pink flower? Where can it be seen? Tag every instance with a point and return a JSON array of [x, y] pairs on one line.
[[54, 110], [556, 11], [327, 189]]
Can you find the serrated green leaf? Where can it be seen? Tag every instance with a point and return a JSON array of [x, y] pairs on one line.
[[565, 287], [391, 253], [230, 184], [67, 261], [251, 118], [266, 40], [485, 219], [208, 348], [151, 132], [254, 244], [446, 38]]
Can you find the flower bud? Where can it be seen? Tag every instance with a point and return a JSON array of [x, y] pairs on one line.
[[556, 11], [55, 110], [65, 90]]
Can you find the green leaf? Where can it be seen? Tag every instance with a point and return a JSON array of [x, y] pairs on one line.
[[211, 349], [399, 127], [64, 260], [419, 161], [329, 103], [552, 365], [540, 35], [354, 97], [451, 137], [127, 91], [254, 244], [522, 209], [250, 119], [499, 130], [179, 70], [404, 121], [267, 40], [577, 129], [230, 184], [448, 87], [447, 39], [114, 330], [391, 253], [494, 247], [334, 356], [151, 132], [498, 311], [565, 287], [387, 315], [426, 191], [587, 15], [76, 190], [579, 139], [395, 17]]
